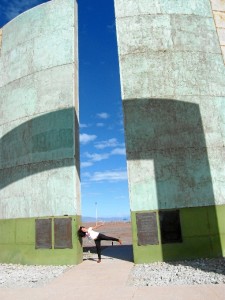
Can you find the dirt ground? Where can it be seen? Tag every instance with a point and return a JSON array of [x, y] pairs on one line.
[[121, 230]]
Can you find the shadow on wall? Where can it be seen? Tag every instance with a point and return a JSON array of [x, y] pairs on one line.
[[40, 144], [169, 134]]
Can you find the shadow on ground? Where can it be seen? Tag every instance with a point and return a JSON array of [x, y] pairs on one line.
[[214, 265], [123, 252]]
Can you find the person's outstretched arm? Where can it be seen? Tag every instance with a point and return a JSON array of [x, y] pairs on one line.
[[97, 226]]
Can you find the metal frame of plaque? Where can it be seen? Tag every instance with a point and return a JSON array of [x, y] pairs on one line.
[[63, 233], [43, 233], [147, 230]]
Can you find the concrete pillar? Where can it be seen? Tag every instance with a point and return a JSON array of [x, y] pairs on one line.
[[172, 80], [39, 158]]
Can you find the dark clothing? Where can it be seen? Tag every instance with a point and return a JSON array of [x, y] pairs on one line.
[[102, 237]]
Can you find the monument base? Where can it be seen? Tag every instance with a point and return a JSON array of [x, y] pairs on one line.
[[185, 233], [41, 241]]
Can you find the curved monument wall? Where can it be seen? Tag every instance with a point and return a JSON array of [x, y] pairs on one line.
[[39, 162], [172, 80]]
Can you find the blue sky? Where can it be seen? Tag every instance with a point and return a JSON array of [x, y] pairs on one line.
[[102, 149]]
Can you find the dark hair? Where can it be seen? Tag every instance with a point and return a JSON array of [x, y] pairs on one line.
[[80, 232]]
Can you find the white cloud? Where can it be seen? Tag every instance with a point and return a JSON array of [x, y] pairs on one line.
[[94, 157], [111, 27], [100, 124], [83, 125], [86, 138], [86, 164], [109, 176], [86, 174], [103, 115], [118, 151], [120, 197], [97, 156], [108, 143]]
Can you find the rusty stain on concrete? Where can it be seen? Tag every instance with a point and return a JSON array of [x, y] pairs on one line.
[[219, 19], [218, 5], [218, 8]]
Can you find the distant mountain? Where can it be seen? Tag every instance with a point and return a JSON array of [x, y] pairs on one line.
[[109, 219]]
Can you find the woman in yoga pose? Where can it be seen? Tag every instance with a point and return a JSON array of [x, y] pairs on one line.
[[97, 237]]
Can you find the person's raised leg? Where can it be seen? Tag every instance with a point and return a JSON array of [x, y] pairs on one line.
[[108, 238]]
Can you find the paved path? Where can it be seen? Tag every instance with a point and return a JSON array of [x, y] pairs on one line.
[[108, 280]]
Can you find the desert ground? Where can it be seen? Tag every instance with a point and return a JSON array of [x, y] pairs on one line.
[[121, 230]]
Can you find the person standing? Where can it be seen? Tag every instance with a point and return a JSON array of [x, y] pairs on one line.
[[97, 237]]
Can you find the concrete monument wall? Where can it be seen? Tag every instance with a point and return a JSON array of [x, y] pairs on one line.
[[39, 157], [173, 91]]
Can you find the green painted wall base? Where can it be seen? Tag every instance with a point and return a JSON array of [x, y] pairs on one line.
[[203, 234], [17, 244]]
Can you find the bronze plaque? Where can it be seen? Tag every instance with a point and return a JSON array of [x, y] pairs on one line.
[[43, 233], [63, 233], [147, 231]]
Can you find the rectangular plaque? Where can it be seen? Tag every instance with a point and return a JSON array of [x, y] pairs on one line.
[[43, 233], [170, 226], [147, 231], [63, 233]]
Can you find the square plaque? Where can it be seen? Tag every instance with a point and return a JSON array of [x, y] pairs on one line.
[[147, 230]]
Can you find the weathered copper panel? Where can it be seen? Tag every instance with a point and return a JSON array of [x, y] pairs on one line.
[[63, 233], [147, 229], [43, 233]]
